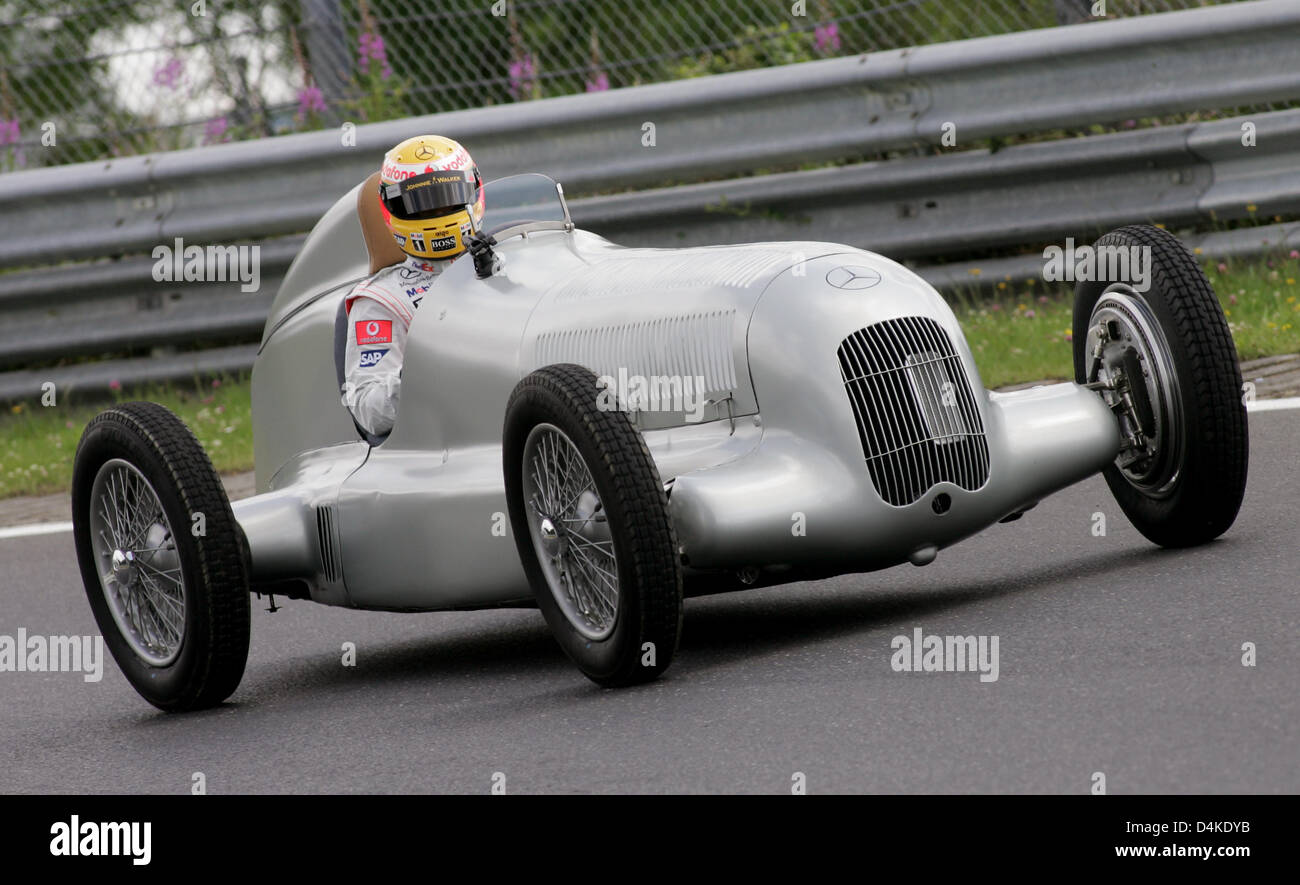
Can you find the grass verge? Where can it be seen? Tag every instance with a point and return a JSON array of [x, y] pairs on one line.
[[1023, 332], [37, 443]]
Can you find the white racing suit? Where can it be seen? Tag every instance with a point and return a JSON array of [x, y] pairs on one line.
[[380, 310]]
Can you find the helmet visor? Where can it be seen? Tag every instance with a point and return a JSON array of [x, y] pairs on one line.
[[430, 194]]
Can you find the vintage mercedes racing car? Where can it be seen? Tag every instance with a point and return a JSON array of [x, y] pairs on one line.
[[600, 430]]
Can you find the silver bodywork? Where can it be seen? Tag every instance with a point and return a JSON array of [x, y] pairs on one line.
[[788, 473]]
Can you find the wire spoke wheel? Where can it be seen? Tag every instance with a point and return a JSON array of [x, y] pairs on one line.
[[139, 570], [170, 599], [590, 519], [570, 532]]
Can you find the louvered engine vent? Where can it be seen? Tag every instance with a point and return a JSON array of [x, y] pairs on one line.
[[915, 410], [328, 544]]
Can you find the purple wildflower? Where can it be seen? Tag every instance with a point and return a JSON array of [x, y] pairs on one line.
[[169, 74], [599, 83], [523, 75], [372, 49], [310, 101], [827, 37], [9, 132], [215, 130]]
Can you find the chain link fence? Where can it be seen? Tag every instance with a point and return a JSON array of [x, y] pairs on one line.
[[89, 79]]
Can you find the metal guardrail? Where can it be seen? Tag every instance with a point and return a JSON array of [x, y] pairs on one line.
[[1099, 72], [1071, 76], [973, 200]]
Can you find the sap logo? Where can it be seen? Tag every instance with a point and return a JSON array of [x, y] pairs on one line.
[[370, 357]]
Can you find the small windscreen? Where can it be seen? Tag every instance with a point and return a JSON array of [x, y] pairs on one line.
[[519, 198]]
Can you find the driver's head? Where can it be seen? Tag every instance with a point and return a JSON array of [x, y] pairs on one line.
[[431, 195]]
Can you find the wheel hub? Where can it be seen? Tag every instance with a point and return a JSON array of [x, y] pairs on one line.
[[550, 537], [1131, 365], [123, 566]]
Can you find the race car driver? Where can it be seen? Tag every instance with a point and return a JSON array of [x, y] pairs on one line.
[[431, 198]]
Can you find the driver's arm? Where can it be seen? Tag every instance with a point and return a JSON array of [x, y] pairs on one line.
[[373, 365]]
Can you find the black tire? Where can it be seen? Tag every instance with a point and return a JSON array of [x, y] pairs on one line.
[[213, 648], [649, 605], [1207, 493]]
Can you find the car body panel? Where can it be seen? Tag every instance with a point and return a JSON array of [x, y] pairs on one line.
[[767, 467]]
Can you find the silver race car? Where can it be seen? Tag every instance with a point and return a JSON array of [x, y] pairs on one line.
[[599, 431]]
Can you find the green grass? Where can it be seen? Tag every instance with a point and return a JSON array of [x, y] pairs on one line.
[[37, 442], [1022, 333]]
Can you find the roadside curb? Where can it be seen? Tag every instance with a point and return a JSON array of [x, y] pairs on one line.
[[58, 506]]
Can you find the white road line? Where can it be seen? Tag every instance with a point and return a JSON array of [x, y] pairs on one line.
[[37, 528], [1273, 405]]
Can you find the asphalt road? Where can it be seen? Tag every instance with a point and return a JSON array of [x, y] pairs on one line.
[[1114, 657]]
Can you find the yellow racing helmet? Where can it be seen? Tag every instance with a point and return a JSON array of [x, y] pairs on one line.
[[431, 194]]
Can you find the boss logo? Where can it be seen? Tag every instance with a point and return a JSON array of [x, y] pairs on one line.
[[441, 244]]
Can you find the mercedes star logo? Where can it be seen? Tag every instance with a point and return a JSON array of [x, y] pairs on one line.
[[852, 276]]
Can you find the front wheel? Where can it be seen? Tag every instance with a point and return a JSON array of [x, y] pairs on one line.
[[1156, 345], [590, 519], [161, 556]]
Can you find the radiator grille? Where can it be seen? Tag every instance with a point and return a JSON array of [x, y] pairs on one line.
[[916, 414]]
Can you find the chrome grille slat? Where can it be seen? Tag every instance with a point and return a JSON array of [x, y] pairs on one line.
[[953, 453], [913, 475], [895, 373], [937, 458]]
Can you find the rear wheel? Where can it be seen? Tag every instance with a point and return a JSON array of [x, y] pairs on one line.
[[590, 519], [161, 557], [1162, 356]]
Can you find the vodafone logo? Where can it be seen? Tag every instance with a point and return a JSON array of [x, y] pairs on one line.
[[394, 172], [458, 160], [374, 332]]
